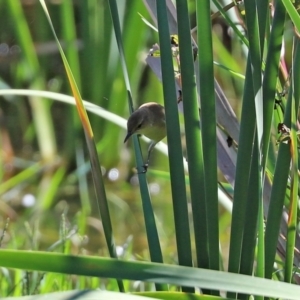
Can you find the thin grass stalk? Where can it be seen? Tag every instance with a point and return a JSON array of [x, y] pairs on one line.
[[251, 217], [280, 179], [296, 89], [292, 220], [243, 166], [260, 268], [262, 17], [151, 229], [95, 164], [293, 208], [117, 29], [256, 64], [193, 134], [255, 52], [29, 172], [69, 37], [255, 204], [231, 23], [271, 74], [296, 75], [208, 128], [183, 238], [275, 208], [256, 32]]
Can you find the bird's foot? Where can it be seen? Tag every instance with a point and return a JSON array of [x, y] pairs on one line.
[[145, 166], [144, 169]]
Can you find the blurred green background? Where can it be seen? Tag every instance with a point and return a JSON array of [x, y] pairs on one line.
[[46, 188], [47, 198]]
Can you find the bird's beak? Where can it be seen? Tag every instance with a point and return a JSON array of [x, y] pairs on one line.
[[129, 134]]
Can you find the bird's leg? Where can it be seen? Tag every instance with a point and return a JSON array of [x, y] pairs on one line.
[[146, 165]]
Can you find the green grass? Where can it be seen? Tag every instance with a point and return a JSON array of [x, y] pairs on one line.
[[170, 233]]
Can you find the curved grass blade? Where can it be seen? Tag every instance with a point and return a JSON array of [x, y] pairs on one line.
[[234, 73], [294, 15], [146, 271], [95, 165], [83, 295], [179, 296], [69, 36]]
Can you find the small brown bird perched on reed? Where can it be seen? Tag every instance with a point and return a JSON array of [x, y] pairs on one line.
[[149, 120]]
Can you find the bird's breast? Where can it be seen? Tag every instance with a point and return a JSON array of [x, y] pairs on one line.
[[155, 133]]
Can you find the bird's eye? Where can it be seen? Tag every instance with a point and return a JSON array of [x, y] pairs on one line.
[[139, 127]]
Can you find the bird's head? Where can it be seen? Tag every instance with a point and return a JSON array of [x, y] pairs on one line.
[[149, 120], [136, 122]]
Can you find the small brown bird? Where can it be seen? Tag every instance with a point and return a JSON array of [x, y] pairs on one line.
[[149, 120]]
